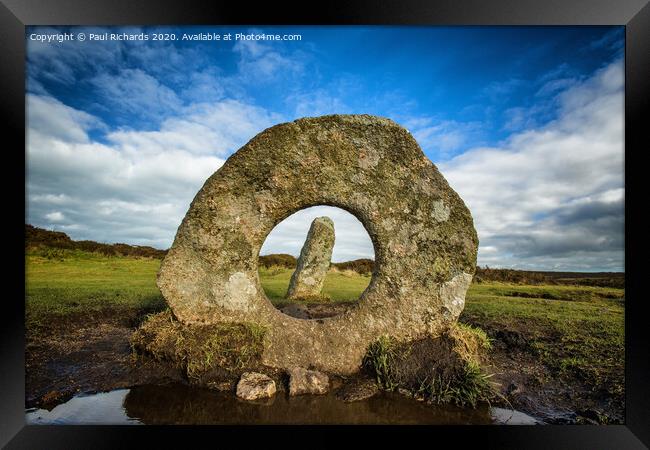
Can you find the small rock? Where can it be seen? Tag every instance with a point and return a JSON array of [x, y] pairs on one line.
[[254, 386], [359, 389], [513, 339], [513, 389], [51, 397], [591, 415], [54, 398], [223, 386], [405, 392], [303, 381]]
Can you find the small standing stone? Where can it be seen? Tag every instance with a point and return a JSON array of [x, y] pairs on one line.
[[303, 381], [314, 261], [254, 386]]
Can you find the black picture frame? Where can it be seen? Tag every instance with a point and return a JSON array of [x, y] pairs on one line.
[[634, 14]]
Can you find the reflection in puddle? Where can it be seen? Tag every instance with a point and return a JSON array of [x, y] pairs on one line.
[[502, 416], [180, 404], [105, 408]]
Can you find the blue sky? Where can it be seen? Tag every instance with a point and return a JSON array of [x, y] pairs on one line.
[[524, 122]]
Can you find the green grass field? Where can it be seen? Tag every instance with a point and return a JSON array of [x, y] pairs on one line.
[[65, 282], [575, 330], [340, 286]]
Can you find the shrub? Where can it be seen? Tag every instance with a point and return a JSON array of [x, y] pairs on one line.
[[486, 274], [37, 238], [362, 266], [278, 260]]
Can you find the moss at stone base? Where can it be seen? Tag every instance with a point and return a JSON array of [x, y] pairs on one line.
[[444, 369], [206, 353]]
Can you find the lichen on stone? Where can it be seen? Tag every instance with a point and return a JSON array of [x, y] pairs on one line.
[[314, 261], [422, 231]]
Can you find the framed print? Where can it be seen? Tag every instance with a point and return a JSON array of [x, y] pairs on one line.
[[383, 218]]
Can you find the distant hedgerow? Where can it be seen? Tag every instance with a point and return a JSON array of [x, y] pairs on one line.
[[38, 237]]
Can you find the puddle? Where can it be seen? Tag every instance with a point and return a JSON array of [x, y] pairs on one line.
[[106, 408], [503, 416], [179, 404]]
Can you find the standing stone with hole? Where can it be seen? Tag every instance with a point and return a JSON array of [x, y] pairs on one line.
[[314, 261], [422, 232]]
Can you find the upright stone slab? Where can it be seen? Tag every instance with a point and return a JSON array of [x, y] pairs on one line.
[[314, 261], [423, 234]]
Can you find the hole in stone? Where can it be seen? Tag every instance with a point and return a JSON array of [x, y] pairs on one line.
[[304, 275]]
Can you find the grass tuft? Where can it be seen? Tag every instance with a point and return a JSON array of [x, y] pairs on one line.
[[444, 369], [200, 349], [470, 387], [380, 359]]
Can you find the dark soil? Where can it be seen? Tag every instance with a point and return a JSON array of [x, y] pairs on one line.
[[315, 310], [86, 353], [527, 385], [358, 389]]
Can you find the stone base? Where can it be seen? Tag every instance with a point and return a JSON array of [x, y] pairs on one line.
[[443, 369]]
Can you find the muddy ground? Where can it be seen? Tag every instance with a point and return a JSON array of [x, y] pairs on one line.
[[83, 353], [528, 386], [86, 353]]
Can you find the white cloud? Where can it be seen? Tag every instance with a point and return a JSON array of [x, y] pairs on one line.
[[260, 62], [53, 118], [59, 62], [137, 186], [205, 85], [51, 199], [345, 94], [318, 102], [351, 238], [554, 85], [133, 91], [612, 40], [55, 216], [443, 138], [528, 196], [202, 129]]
